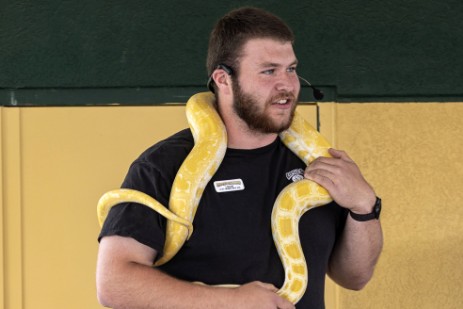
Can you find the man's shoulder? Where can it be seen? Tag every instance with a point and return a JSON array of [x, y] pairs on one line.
[[174, 148]]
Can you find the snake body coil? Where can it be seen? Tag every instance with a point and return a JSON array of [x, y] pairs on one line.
[[198, 168]]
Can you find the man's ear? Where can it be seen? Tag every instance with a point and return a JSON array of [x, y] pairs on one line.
[[222, 80]]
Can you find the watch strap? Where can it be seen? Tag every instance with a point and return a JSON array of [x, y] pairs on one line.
[[370, 216]]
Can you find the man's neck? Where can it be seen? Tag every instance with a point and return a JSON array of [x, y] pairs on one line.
[[250, 141]]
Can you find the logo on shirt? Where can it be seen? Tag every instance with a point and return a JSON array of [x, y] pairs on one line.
[[295, 175]]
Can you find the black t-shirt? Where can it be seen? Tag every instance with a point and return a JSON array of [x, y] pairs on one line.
[[232, 241]]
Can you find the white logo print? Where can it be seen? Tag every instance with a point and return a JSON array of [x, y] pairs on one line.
[[295, 175]]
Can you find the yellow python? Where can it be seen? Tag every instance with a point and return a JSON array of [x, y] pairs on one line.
[[198, 168]]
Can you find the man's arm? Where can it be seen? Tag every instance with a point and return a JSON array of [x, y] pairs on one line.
[[126, 279], [356, 253]]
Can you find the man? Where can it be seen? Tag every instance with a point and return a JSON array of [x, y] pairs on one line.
[[252, 67]]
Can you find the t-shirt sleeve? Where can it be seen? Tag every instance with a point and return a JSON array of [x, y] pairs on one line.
[[135, 220], [152, 173]]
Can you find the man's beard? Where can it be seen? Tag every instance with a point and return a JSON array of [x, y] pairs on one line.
[[254, 115]]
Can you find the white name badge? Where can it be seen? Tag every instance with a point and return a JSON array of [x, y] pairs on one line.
[[229, 185]]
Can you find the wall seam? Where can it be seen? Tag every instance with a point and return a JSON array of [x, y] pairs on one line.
[[12, 207]]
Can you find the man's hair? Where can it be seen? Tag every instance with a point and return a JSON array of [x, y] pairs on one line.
[[236, 28]]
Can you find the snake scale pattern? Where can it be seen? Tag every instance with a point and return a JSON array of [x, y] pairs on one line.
[[210, 138]]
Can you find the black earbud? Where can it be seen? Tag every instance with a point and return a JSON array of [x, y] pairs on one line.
[[317, 93], [222, 66]]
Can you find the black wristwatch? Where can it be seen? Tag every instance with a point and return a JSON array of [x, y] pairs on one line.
[[372, 215]]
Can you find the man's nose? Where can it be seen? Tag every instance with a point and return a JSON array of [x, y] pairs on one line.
[[287, 82]]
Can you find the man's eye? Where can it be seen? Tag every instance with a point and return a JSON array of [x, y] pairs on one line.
[[269, 72], [292, 69]]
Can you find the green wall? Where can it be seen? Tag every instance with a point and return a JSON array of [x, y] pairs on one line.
[[148, 52]]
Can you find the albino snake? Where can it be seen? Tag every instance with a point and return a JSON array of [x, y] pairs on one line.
[[198, 168]]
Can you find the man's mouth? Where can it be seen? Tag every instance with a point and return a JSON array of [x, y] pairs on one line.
[[282, 101], [286, 100]]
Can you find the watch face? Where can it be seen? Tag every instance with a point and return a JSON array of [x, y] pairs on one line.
[[377, 208]]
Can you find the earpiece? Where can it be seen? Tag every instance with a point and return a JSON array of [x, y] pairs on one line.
[[226, 68], [317, 93], [222, 66]]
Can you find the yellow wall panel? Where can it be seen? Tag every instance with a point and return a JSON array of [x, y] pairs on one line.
[[59, 162], [2, 234], [411, 153]]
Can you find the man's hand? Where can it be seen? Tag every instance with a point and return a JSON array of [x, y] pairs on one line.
[[343, 180], [260, 295]]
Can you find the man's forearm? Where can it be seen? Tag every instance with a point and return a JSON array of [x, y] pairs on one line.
[[356, 254], [139, 286]]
